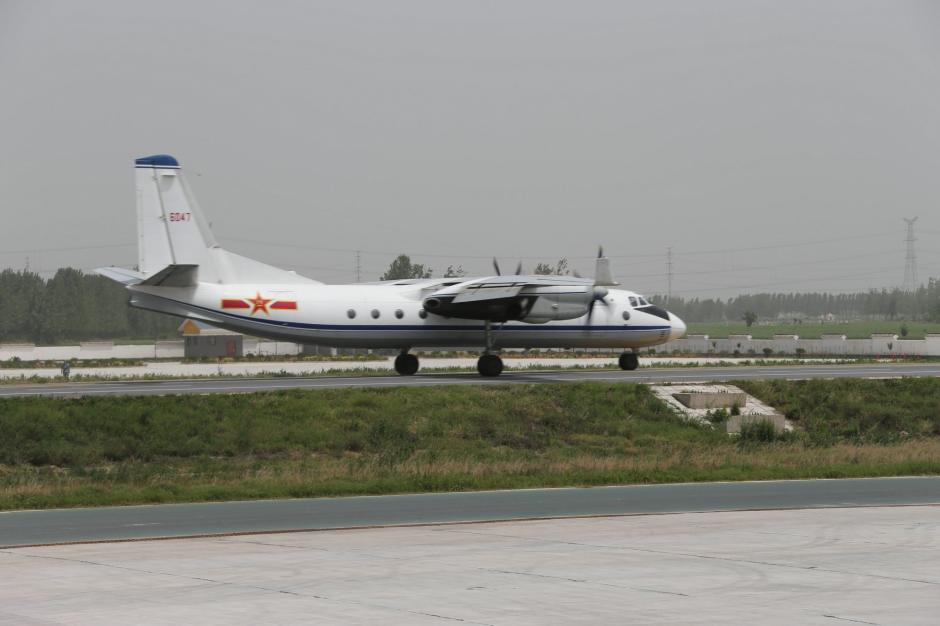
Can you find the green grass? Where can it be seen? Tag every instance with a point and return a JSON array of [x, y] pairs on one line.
[[853, 330], [124, 450]]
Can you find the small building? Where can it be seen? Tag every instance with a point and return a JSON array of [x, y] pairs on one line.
[[203, 340]]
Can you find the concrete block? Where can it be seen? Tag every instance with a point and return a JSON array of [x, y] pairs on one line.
[[711, 400], [735, 422]]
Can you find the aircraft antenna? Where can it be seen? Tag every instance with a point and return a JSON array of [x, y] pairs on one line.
[[910, 260]]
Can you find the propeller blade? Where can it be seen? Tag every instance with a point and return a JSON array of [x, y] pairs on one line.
[[496, 267], [519, 268], [597, 295]]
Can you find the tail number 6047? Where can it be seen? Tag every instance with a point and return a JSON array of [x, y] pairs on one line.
[[181, 217]]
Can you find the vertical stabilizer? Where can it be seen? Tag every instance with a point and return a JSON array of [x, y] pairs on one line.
[[170, 226], [172, 231]]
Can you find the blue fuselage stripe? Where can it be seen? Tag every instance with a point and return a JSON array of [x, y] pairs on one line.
[[449, 328]]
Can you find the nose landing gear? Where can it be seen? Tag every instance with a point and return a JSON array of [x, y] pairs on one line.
[[629, 361], [406, 364]]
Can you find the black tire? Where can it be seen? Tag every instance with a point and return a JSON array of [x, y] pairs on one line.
[[490, 365], [629, 361], [406, 364]]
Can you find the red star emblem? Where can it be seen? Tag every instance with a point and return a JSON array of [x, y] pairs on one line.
[[258, 304]]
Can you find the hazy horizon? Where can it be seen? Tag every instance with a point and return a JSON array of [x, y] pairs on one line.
[[774, 146]]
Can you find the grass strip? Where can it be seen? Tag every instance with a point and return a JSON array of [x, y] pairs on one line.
[[303, 443]]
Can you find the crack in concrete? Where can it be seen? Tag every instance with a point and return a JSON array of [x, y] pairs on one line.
[[582, 580], [728, 559], [849, 619], [284, 591]]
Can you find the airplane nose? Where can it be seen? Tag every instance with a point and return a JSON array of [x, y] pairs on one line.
[[678, 327]]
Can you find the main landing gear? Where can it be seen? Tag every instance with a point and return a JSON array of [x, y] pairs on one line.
[[406, 364], [489, 364], [629, 361]]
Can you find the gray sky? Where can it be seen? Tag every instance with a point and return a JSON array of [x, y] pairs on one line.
[[774, 145]]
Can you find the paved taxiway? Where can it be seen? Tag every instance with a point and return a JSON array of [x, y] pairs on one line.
[[21, 528], [651, 375], [810, 566]]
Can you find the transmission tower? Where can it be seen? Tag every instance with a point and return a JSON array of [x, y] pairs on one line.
[[910, 260], [358, 267], [668, 274]]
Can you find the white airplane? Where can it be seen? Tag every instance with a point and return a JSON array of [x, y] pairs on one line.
[[182, 271]]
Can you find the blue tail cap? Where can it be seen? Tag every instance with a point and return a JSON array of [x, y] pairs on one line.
[[157, 160]]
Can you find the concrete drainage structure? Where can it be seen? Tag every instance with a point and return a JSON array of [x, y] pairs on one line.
[[697, 403]]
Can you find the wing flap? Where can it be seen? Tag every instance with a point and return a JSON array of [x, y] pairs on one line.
[[487, 292]]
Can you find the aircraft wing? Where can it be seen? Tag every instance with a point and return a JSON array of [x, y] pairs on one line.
[[534, 299]]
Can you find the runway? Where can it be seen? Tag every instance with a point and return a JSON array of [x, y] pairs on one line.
[[23, 528], [644, 375]]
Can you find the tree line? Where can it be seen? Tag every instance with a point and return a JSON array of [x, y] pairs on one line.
[[75, 306], [72, 306], [883, 304]]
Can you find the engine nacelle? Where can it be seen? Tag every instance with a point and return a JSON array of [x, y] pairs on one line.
[[552, 307]]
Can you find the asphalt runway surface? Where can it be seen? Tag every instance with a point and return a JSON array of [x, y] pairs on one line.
[[25, 528], [650, 375]]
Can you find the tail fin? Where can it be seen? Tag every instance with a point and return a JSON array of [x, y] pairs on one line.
[[170, 226], [172, 231]]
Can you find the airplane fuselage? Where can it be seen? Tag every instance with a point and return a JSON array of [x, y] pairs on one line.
[[392, 316]]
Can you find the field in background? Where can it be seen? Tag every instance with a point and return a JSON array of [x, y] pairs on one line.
[[125, 450], [854, 330]]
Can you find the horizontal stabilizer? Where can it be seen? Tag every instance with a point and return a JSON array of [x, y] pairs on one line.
[[121, 275], [173, 276]]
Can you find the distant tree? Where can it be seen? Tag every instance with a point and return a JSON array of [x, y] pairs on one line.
[[402, 268], [904, 330], [454, 272], [559, 269], [749, 318]]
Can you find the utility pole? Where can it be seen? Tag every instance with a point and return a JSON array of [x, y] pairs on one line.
[[668, 274], [910, 260], [358, 267]]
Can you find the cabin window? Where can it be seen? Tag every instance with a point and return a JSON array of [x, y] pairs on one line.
[[399, 313], [423, 314], [351, 313], [633, 302], [626, 315], [375, 314]]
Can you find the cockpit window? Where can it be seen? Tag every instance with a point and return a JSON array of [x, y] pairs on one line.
[[643, 301], [633, 302]]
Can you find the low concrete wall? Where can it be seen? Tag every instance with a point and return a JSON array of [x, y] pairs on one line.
[[711, 400], [735, 422]]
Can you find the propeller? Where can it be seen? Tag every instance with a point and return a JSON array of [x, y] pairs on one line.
[[499, 273], [602, 277], [599, 295]]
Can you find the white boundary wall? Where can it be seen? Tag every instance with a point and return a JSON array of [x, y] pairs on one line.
[[107, 350], [744, 345], [827, 345]]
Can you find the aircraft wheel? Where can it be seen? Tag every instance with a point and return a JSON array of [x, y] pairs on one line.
[[629, 361], [406, 364], [490, 365]]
